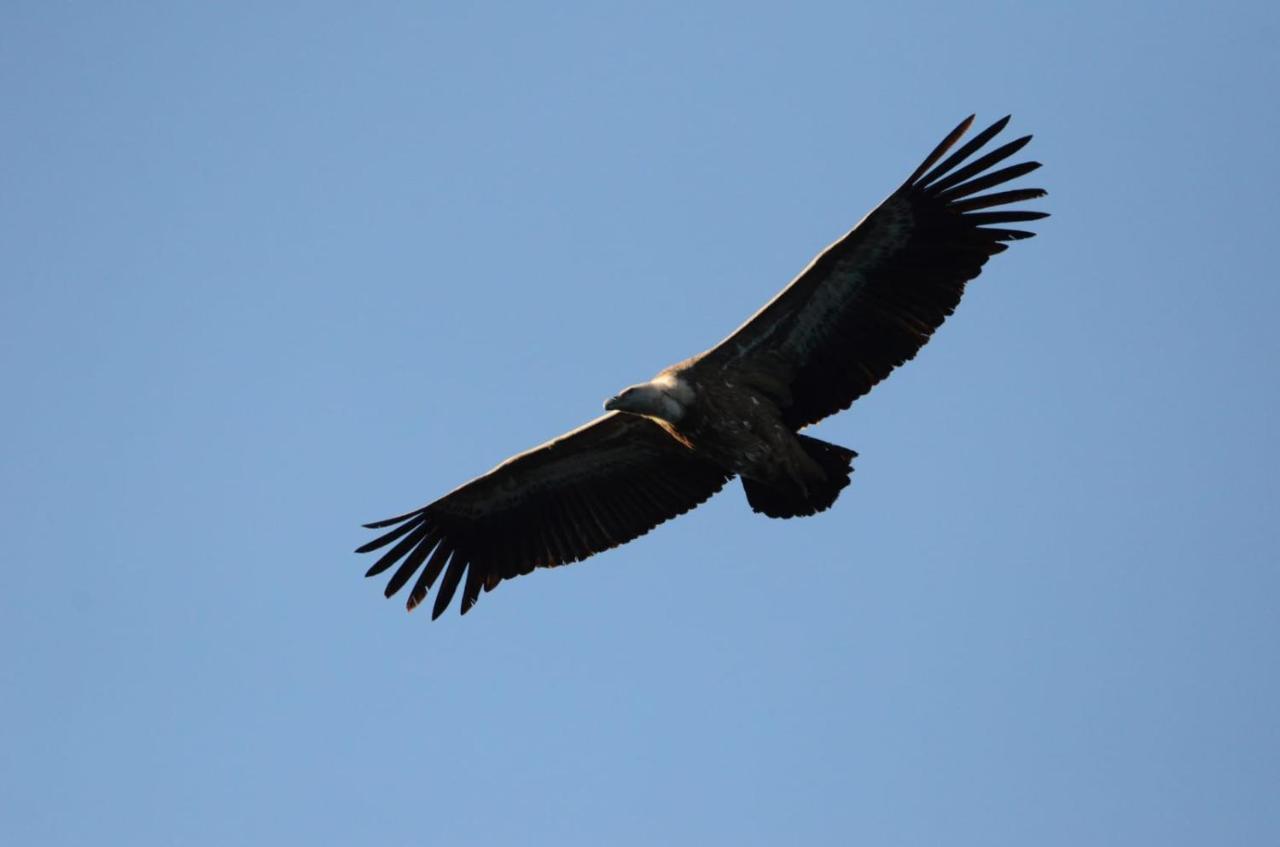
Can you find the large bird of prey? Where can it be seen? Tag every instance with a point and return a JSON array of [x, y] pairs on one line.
[[864, 306]]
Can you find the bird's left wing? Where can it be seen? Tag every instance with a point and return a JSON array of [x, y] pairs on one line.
[[870, 301], [593, 488]]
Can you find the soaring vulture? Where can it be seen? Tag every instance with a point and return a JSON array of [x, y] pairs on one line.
[[864, 306]]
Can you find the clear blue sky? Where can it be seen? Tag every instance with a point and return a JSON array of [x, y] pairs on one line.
[[271, 270]]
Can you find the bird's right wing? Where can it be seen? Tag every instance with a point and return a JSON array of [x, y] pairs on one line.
[[593, 488]]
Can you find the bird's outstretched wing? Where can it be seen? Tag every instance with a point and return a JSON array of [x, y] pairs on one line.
[[596, 487], [870, 301]]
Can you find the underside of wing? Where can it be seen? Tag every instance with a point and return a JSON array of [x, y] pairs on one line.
[[870, 301], [591, 489]]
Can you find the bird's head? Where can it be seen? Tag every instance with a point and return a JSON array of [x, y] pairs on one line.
[[662, 398]]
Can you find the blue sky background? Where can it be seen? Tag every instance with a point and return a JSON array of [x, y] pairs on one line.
[[269, 271]]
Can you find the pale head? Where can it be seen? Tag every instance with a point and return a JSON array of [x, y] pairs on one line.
[[665, 398]]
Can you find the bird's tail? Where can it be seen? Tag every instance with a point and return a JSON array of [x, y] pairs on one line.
[[793, 502]]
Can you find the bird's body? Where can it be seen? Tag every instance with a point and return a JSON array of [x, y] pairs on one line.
[[862, 307], [737, 425], [732, 417]]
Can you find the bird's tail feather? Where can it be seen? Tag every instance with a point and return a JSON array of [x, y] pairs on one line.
[[791, 502]]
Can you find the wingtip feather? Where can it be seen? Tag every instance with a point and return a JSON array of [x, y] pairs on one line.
[[943, 146], [970, 147], [390, 521]]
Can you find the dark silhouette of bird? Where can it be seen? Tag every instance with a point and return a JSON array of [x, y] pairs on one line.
[[865, 305]]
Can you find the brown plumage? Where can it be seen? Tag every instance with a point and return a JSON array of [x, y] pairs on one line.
[[864, 306]]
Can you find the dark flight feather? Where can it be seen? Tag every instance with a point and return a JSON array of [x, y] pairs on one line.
[[944, 146], [965, 151], [979, 165], [988, 181], [1000, 198]]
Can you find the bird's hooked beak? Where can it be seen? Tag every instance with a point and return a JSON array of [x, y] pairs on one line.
[[624, 400]]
